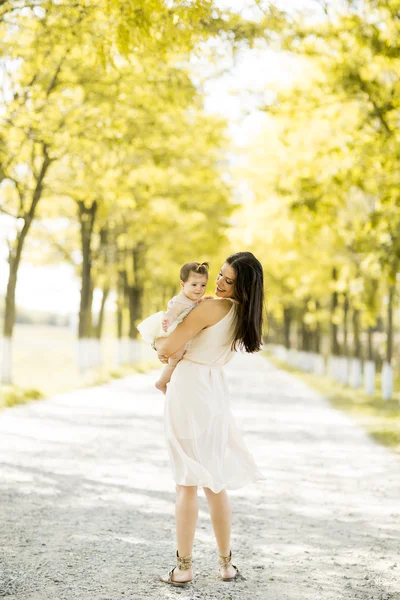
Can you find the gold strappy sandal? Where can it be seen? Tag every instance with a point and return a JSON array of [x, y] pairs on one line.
[[183, 563], [226, 561]]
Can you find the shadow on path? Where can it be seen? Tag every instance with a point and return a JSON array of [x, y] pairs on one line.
[[87, 501]]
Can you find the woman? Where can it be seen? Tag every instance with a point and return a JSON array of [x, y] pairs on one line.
[[204, 444]]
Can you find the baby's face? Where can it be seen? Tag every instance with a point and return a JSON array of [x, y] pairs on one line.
[[194, 288]]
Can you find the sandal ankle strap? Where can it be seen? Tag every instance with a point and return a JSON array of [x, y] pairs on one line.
[[225, 561], [184, 562]]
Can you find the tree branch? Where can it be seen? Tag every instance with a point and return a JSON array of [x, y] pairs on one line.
[[57, 245], [39, 184], [377, 110], [4, 211], [19, 190]]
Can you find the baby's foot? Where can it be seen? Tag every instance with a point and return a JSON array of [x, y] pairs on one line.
[[161, 386], [165, 324]]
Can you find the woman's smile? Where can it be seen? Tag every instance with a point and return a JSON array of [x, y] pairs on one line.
[[226, 277]]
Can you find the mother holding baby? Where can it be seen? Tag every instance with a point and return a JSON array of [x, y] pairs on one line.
[[204, 444]]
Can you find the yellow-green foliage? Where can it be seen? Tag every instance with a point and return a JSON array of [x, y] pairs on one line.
[[12, 396], [323, 171]]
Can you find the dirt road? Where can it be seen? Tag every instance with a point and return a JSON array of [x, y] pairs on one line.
[[87, 502]]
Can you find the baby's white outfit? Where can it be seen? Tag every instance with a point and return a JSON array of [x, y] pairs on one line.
[[151, 328]]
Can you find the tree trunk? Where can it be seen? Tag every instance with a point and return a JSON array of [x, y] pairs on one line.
[[88, 355], [135, 292], [317, 336], [356, 334], [305, 336], [14, 260], [87, 218], [287, 322], [120, 303], [9, 312], [389, 335], [370, 344], [104, 256], [100, 319], [335, 348], [345, 325], [134, 300], [299, 330], [134, 295], [9, 320], [120, 316], [387, 369]]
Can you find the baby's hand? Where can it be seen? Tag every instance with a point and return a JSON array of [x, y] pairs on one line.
[[165, 324], [205, 298]]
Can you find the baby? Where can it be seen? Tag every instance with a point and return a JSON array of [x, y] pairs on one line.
[[193, 280]]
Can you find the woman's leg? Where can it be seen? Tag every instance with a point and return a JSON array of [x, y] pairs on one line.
[[221, 518], [186, 513]]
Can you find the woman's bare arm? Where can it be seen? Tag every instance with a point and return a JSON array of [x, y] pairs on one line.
[[204, 315]]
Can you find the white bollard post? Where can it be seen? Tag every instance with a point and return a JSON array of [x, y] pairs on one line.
[[330, 367], [337, 373], [132, 352], [336, 368], [356, 373], [82, 354], [346, 371], [135, 351], [308, 362], [319, 364], [6, 361], [387, 381], [92, 352], [369, 377], [342, 373], [300, 360], [125, 351], [281, 353], [119, 353], [99, 354]]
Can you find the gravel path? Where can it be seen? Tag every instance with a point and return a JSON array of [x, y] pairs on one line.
[[87, 503]]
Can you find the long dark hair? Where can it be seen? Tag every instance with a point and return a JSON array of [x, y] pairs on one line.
[[249, 292]]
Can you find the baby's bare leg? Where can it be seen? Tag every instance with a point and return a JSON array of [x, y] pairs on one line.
[[166, 373]]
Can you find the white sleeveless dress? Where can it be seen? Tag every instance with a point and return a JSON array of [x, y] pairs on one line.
[[204, 444]]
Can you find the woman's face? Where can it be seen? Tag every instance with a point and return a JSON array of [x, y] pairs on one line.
[[225, 282]]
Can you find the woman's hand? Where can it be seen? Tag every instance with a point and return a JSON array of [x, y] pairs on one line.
[[160, 353], [162, 357], [205, 298]]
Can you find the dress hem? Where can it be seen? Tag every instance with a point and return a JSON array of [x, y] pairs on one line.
[[227, 486]]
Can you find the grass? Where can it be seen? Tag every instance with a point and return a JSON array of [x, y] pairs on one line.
[[380, 418], [44, 364], [12, 395]]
